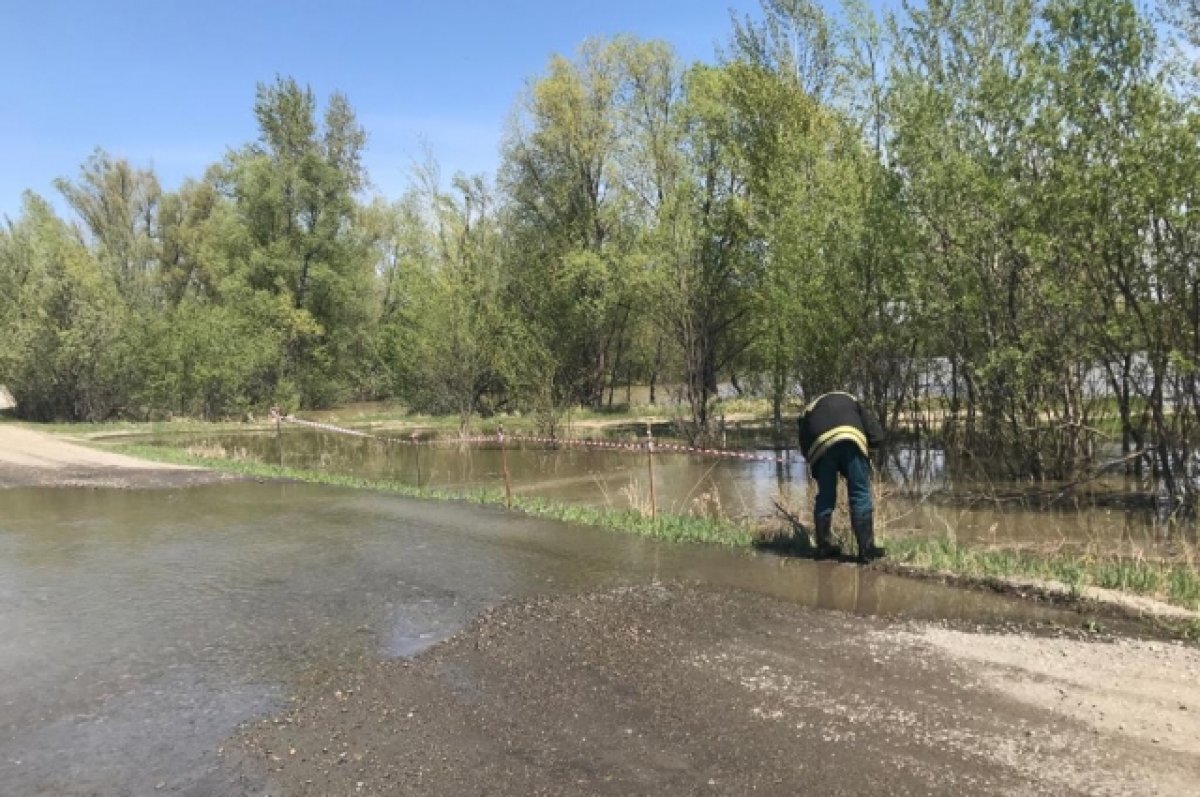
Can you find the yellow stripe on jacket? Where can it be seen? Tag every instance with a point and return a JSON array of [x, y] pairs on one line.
[[836, 435]]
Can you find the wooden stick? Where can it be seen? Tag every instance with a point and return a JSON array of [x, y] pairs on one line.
[[504, 465]]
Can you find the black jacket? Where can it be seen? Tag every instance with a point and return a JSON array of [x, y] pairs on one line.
[[835, 417]]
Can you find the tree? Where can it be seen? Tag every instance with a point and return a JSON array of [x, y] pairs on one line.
[[61, 357], [119, 208], [294, 191], [462, 350], [709, 268], [964, 96], [567, 210], [1123, 182], [191, 222], [825, 216]]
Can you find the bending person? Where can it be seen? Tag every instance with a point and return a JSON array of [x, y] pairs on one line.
[[836, 435]]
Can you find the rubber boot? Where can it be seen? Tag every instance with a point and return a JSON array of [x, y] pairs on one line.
[[827, 548], [864, 535]]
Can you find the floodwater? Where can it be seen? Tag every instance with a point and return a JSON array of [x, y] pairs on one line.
[[923, 499], [139, 628]]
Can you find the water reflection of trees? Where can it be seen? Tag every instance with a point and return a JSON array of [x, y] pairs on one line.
[[928, 487]]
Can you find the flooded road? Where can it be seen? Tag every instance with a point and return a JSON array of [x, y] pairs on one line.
[[139, 628]]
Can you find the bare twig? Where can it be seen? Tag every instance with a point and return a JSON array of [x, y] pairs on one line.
[[797, 524]]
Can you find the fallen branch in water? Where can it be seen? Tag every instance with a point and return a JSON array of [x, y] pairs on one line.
[[800, 532]]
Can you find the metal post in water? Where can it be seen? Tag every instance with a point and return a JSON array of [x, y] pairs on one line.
[[417, 451], [650, 464], [504, 465]]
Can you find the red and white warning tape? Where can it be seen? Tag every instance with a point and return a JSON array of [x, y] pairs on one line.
[[658, 448], [326, 427], [638, 447]]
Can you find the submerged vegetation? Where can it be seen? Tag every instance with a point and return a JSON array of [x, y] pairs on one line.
[[1175, 580], [672, 528]]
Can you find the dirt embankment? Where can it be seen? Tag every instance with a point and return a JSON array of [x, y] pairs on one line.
[[29, 458], [681, 691]]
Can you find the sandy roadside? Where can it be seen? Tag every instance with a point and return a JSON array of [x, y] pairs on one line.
[[29, 458]]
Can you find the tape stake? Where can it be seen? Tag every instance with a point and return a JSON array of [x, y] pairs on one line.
[[504, 465], [650, 463]]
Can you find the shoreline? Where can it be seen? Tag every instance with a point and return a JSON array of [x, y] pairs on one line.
[[1104, 603], [31, 458], [81, 463], [1180, 621]]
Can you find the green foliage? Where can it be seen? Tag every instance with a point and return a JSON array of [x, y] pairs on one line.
[[1176, 582], [62, 352], [119, 208], [573, 203], [963, 213], [294, 197], [455, 347], [203, 360]]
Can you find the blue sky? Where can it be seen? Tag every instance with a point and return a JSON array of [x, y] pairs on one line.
[[170, 84]]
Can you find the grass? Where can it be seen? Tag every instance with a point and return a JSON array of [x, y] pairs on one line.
[[758, 407], [1176, 582], [668, 527], [673, 528]]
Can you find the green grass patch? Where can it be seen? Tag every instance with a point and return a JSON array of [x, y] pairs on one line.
[[1176, 582], [745, 405], [672, 528]]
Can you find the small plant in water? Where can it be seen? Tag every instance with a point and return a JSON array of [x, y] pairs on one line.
[[638, 498], [708, 504], [207, 451]]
